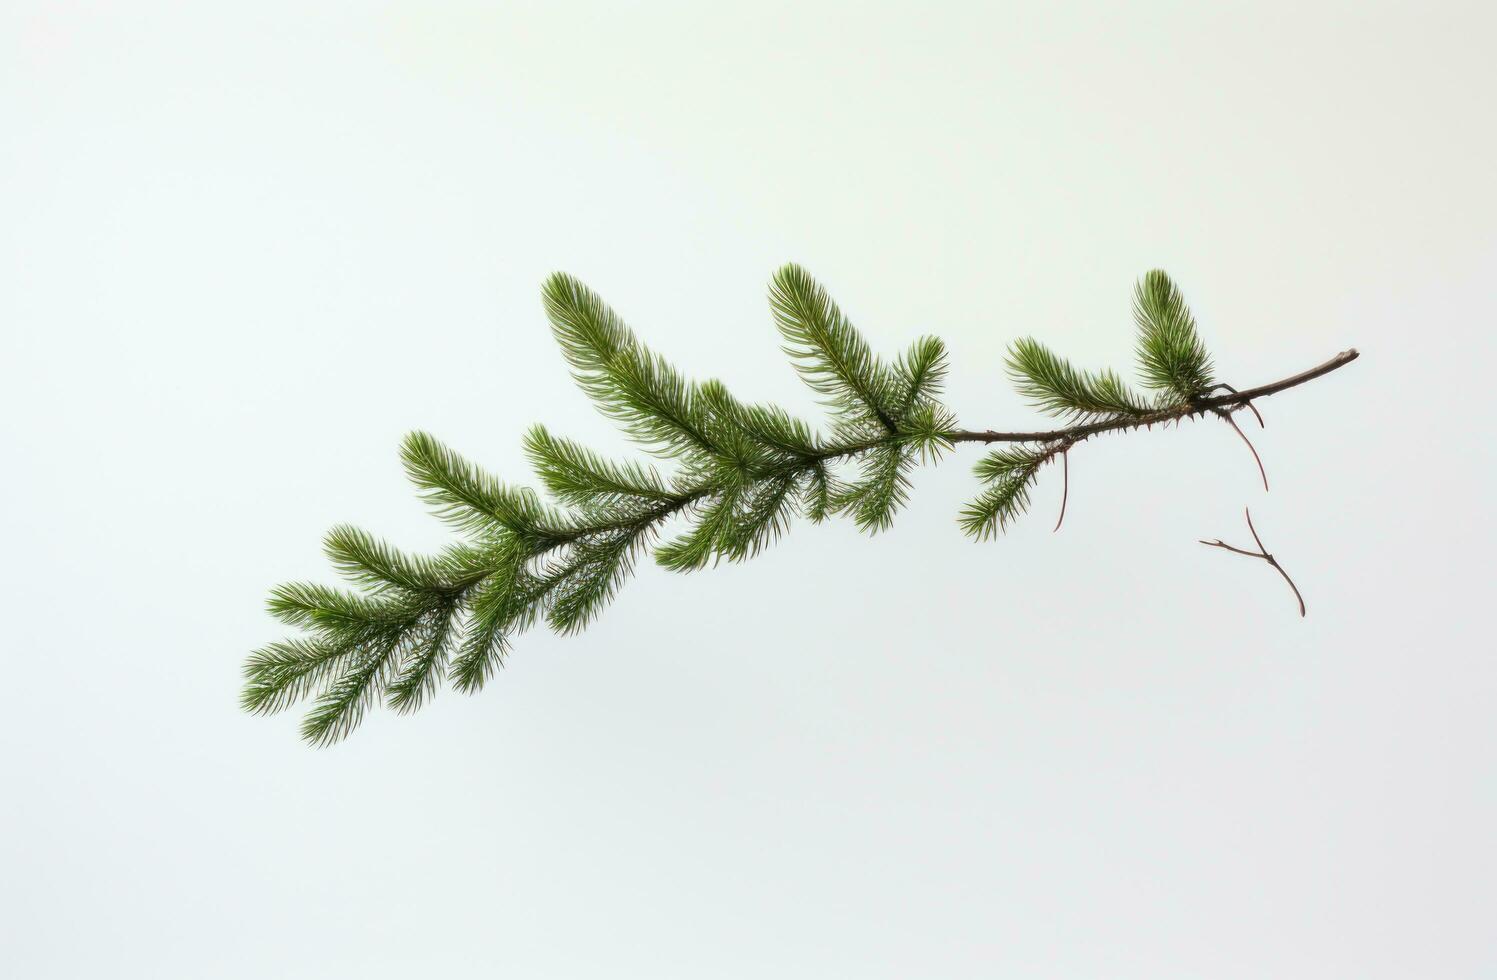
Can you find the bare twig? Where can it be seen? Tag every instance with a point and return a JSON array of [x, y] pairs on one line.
[[1065, 491], [1262, 553], [1227, 417]]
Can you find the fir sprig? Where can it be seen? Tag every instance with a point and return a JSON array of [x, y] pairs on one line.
[[1170, 352], [1053, 385], [742, 472], [830, 354], [1009, 474]]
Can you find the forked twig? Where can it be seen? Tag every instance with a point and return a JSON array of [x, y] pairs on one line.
[[1262, 553]]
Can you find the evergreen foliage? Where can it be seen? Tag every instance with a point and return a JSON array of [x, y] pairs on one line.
[[1054, 386], [1170, 353], [1009, 474], [739, 475]]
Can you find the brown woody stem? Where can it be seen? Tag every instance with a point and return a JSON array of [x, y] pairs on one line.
[[1231, 400]]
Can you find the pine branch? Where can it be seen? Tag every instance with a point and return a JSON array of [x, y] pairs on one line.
[[743, 473]]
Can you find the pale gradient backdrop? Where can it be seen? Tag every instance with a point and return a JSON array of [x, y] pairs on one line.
[[245, 247]]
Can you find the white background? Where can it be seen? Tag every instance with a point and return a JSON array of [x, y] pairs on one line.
[[243, 249]]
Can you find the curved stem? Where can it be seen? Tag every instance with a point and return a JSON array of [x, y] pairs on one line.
[[1065, 493], [1232, 399], [1227, 417]]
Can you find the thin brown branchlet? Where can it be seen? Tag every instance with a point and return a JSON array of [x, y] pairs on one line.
[[1262, 553]]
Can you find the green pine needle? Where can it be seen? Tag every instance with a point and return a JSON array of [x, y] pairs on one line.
[[1054, 386], [578, 476], [471, 500], [630, 385], [920, 374], [281, 674], [882, 489], [426, 658], [1170, 352], [492, 609], [369, 562], [591, 574], [1010, 473], [765, 515], [704, 540], [830, 354], [340, 708]]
